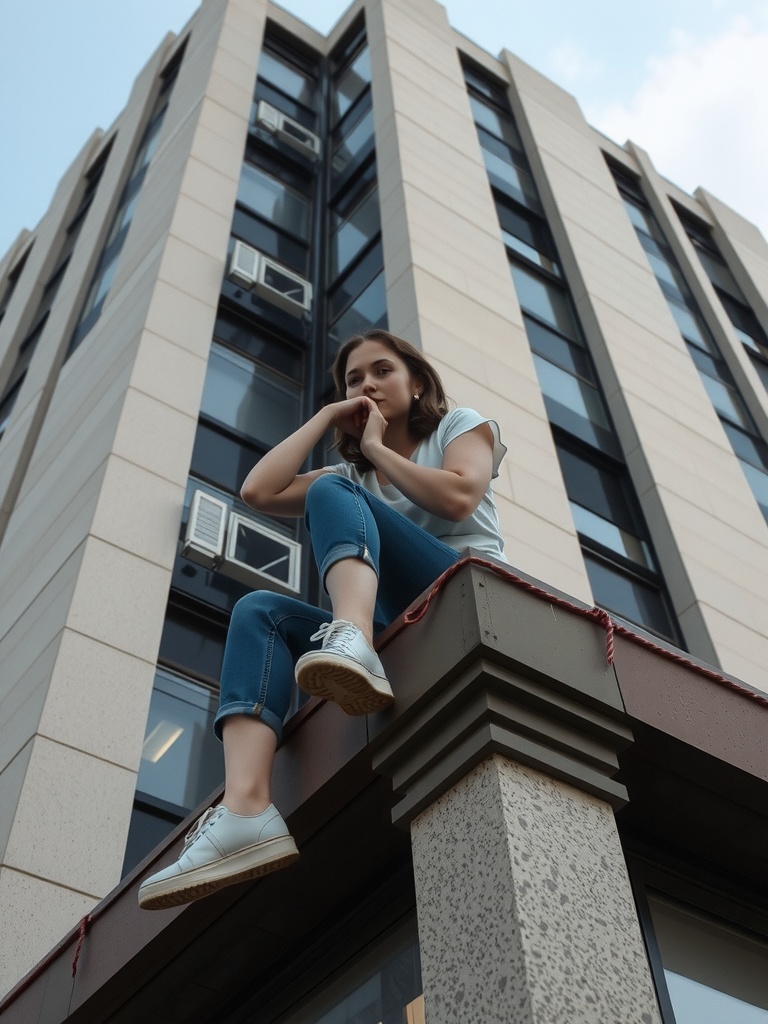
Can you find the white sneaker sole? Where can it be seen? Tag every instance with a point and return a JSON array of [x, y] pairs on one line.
[[246, 864], [343, 681]]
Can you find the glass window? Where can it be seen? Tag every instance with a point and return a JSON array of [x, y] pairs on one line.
[[714, 972], [505, 173], [557, 349], [629, 597], [596, 488], [7, 403], [384, 986], [640, 218], [543, 299], [249, 397], [274, 201], [350, 84], [528, 235], [494, 122], [368, 310], [354, 233], [193, 643], [238, 332], [288, 78], [747, 447], [719, 274], [593, 526], [353, 145], [758, 481], [690, 325], [761, 367], [726, 402], [181, 760], [577, 395]]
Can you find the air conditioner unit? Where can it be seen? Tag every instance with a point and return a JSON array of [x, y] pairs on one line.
[[298, 137], [283, 288], [206, 530], [260, 557], [240, 547], [287, 130], [244, 265], [268, 116]]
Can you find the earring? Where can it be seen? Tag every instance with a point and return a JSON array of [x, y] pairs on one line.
[[416, 397]]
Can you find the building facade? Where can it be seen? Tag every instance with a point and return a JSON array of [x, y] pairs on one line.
[[544, 828]]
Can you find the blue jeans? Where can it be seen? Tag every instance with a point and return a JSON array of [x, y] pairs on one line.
[[269, 632]]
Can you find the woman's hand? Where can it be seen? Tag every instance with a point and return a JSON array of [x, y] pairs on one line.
[[358, 417]]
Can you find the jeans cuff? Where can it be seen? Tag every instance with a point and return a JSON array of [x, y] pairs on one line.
[[342, 551], [241, 707]]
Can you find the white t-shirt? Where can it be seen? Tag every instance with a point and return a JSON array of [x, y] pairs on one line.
[[481, 529]]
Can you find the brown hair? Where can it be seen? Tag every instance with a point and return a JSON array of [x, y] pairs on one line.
[[425, 414]]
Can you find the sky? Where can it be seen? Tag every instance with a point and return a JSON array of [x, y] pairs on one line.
[[687, 80]]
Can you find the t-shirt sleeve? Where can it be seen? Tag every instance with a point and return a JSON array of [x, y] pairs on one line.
[[339, 468], [459, 421]]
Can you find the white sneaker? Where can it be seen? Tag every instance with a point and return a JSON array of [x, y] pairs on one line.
[[221, 849], [345, 670]]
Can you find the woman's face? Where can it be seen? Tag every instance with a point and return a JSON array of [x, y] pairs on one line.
[[374, 371]]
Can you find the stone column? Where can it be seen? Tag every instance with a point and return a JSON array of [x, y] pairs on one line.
[[525, 911], [503, 754]]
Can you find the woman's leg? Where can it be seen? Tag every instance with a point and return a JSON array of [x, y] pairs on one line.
[[352, 530], [371, 559], [244, 836]]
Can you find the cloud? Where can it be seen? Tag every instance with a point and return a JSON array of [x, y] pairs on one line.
[[570, 63], [701, 115]]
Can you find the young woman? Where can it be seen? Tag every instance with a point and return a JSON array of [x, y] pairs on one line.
[[414, 491]]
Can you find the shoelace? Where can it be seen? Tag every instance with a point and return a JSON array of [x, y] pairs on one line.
[[338, 629], [199, 827]]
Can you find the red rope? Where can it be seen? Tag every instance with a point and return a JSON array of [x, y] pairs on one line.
[[598, 615], [83, 928]]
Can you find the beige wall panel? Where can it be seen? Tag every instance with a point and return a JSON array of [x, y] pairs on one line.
[[111, 581], [738, 238], [741, 650], [15, 444], [191, 271], [171, 374], [48, 912], [20, 709], [217, 190], [139, 512], [81, 420], [155, 437], [55, 530], [101, 711], [218, 120], [181, 319], [104, 792], [11, 782], [423, 162], [197, 225], [29, 626]]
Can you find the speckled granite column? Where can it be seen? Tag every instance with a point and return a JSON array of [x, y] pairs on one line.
[[524, 905]]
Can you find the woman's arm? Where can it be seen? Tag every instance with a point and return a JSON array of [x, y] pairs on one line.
[[452, 492], [274, 485]]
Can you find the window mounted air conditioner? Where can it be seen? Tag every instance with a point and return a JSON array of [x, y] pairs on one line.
[[267, 116], [298, 137], [244, 265], [258, 556], [287, 130], [283, 288], [240, 547], [206, 530], [251, 269]]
